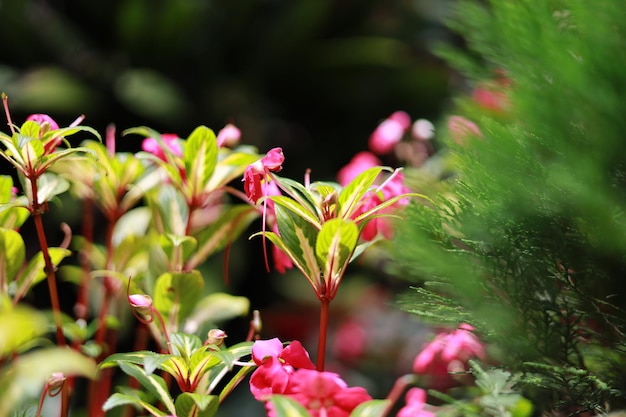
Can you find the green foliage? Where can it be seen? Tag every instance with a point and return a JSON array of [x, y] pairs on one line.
[[196, 367], [527, 240]]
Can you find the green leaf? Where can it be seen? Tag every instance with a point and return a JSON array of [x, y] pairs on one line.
[[35, 269], [26, 377], [118, 399], [133, 223], [217, 307], [352, 193], [13, 216], [6, 185], [372, 408], [176, 294], [229, 167], [50, 185], [184, 344], [169, 210], [138, 358], [177, 248], [200, 156], [297, 239], [196, 405], [203, 360], [19, 326], [287, 407], [222, 231], [12, 255], [30, 129], [298, 209], [335, 244], [299, 193], [153, 383]]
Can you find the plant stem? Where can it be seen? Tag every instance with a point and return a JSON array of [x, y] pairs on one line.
[[398, 389], [37, 209], [321, 345]]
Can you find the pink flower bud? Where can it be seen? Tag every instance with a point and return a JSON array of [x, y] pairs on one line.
[[141, 302], [215, 337], [389, 133], [273, 160], [229, 136], [43, 119]]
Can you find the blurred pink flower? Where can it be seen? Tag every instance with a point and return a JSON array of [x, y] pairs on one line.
[[229, 136], [171, 140], [448, 352], [415, 400], [275, 366], [350, 342], [389, 132], [461, 129], [41, 118], [359, 163], [325, 394]]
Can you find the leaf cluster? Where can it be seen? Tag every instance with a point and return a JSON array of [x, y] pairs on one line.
[[526, 240]]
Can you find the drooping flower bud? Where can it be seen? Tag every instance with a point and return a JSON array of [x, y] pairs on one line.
[[141, 302]]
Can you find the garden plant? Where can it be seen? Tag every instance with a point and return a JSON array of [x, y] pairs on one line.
[[508, 234]]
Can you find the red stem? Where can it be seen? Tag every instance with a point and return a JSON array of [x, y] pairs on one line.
[[50, 269], [81, 308], [321, 345]]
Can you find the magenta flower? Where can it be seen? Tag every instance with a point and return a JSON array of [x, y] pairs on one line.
[[415, 400], [171, 140], [47, 124], [325, 394], [275, 366], [41, 119], [392, 187], [359, 163], [448, 352], [388, 133], [228, 136], [257, 172]]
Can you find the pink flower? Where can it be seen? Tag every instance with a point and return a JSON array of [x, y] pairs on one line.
[[359, 163], [350, 341], [388, 133], [415, 401], [448, 352], [325, 394], [229, 136], [257, 172], [461, 129], [41, 119], [393, 187], [170, 140], [275, 366], [46, 124]]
